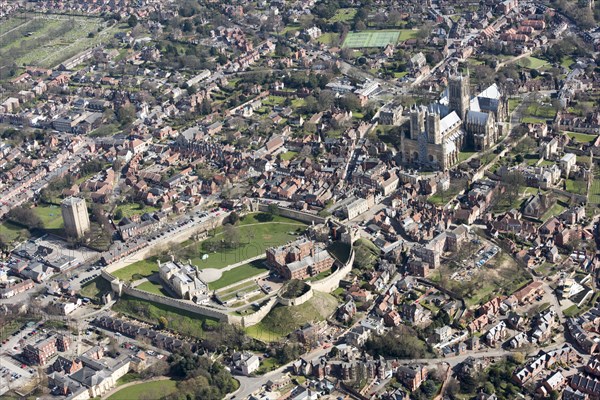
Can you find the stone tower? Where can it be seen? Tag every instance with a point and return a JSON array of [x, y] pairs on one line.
[[75, 216], [434, 132], [417, 122], [458, 95]]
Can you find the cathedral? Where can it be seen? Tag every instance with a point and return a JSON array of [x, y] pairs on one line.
[[438, 132]]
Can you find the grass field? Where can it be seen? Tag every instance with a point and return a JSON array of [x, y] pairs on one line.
[[146, 390], [12, 232], [532, 62], [256, 235], [343, 15], [95, 288], [239, 273], [328, 38], [358, 40], [554, 211], [47, 42], [131, 209], [144, 268], [576, 186], [184, 322], [582, 137], [153, 287], [594, 195], [288, 155], [50, 215], [283, 320]]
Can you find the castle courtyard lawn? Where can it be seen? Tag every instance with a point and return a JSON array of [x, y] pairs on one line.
[[146, 390], [144, 268], [238, 274]]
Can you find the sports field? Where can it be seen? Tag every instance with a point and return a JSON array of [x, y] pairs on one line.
[[358, 40]]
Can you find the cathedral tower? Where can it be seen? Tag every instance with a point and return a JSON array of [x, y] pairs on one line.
[[458, 95]]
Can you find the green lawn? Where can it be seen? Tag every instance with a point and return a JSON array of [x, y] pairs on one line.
[[184, 322], [343, 15], [50, 215], [239, 273], [463, 155], [283, 320], [328, 38], [144, 268], [540, 111], [289, 155], [146, 390], [513, 104], [12, 232], [153, 287], [532, 63], [566, 62], [377, 38], [576, 186], [554, 211], [95, 288], [131, 209], [594, 195], [256, 236], [582, 137]]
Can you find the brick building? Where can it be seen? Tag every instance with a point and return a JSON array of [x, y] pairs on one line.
[[300, 259]]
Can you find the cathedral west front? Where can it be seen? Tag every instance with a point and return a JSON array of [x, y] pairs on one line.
[[439, 131]]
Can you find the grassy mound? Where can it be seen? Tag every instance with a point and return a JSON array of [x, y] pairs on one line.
[[282, 320]]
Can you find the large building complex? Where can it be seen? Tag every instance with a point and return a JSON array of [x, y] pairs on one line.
[[75, 216], [183, 280], [300, 259], [439, 132]]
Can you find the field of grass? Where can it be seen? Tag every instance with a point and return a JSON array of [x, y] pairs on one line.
[[463, 155], [153, 287], [144, 268], [343, 15], [283, 320], [594, 195], [566, 62], [256, 234], [239, 273], [181, 321], [146, 390], [532, 63], [47, 42], [50, 215], [364, 39], [582, 137], [512, 104], [12, 232], [576, 186], [328, 38], [288, 155], [95, 288], [543, 112], [554, 211], [131, 209]]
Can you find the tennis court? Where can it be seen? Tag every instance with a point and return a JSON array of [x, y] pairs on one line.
[[357, 40]]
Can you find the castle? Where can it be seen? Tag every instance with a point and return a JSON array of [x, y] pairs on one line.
[[439, 132], [300, 259]]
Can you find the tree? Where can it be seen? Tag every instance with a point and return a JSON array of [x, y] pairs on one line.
[[234, 217], [26, 217], [273, 209], [126, 114], [231, 235], [349, 102], [513, 182], [132, 21], [118, 214]]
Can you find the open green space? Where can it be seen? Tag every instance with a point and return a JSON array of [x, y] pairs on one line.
[[594, 195], [364, 39], [143, 268], [181, 321], [283, 320], [95, 288], [554, 211], [146, 390], [464, 155], [582, 137], [288, 155], [242, 287], [544, 111], [566, 62], [12, 232], [343, 15], [532, 62], [239, 273], [576, 186], [131, 209], [153, 287], [328, 38], [257, 233], [47, 42], [513, 104], [50, 215]]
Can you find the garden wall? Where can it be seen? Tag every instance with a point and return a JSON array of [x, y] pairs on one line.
[[298, 300], [294, 214], [332, 282]]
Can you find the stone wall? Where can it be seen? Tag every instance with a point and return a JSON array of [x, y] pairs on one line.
[[298, 300], [294, 214], [332, 282], [253, 319], [121, 288]]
